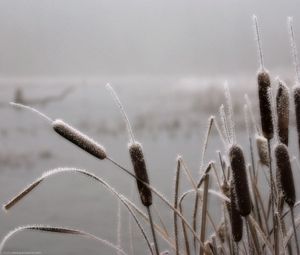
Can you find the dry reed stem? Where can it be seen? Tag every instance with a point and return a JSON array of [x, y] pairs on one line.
[[25, 192], [176, 191], [204, 209], [60, 230]]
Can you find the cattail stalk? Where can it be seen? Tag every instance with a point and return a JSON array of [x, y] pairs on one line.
[[176, 191], [294, 48], [139, 166]]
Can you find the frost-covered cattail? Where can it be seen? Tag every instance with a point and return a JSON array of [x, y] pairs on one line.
[[239, 178], [139, 166], [79, 139], [296, 93], [136, 156], [264, 86], [262, 149], [71, 134], [282, 108], [284, 174], [235, 217]]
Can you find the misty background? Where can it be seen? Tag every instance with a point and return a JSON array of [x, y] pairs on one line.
[[73, 38]]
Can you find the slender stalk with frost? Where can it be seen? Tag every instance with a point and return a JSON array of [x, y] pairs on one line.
[[139, 166]]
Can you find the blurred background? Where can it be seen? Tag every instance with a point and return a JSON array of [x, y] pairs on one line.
[[168, 61]]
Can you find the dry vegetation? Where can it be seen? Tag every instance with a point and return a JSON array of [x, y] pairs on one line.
[[252, 222]]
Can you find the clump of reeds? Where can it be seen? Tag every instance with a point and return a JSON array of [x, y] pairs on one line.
[[234, 181]]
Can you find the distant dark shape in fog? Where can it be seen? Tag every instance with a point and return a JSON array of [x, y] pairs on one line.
[[111, 37]]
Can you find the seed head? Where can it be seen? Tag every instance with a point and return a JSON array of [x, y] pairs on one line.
[[264, 86], [284, 174], [79, 139], [139, 166], [282, 108], [240, 182], [262, 149]]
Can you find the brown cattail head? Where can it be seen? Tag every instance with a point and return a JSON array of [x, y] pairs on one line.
[[262, 149], [79, 139], [282, 109], [284, 174], [264, 86], [235, 217], [240, 182], [296, 92], [139, 166]]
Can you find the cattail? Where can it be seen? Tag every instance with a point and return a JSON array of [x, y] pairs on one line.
[[240, 182], [139, 166], [262, 149], [284, 174], [264, 86], [136, 155], [235, 217], [70, 133], [79, 139], [296, 92], [282, 108]]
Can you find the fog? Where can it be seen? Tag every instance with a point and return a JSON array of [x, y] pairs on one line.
[[73, 38]]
